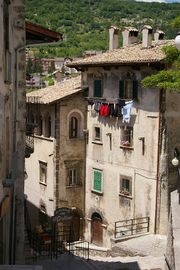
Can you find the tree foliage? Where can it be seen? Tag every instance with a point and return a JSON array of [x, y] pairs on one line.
[[85, 23], [170, 78]]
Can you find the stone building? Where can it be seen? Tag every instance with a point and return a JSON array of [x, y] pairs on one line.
[[15, 35], [58, 177], [12, 131], [132, 134]]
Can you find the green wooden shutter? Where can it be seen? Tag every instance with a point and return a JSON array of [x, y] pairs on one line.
[[121, 89], [97, 181], [97, 88], [135, 89]]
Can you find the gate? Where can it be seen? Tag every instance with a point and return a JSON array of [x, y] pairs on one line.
[[57, 241]]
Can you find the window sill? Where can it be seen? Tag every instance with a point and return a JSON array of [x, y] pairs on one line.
[[125, 196], [43, 184], [43, 138], [97, 192], [97, 142], [126, 147], [74, 186]]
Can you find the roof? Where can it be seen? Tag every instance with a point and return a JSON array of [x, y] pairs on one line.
[[131, 54], [36, 34], [56, 92]]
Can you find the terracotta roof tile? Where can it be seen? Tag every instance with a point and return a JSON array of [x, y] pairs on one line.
[[130, 54], [53, 93]]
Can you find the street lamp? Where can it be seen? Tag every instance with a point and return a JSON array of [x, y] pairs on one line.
[[177, 41], [175, 163]]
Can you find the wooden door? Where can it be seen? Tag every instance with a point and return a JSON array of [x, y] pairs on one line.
[[96, 231]]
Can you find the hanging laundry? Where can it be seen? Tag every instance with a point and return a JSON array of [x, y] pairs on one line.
[[104, 110], [111, 109], [97, 106], [126, 111]]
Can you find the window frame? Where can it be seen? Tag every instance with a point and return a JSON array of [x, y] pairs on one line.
[[73, 127], [126, 143], [95, 88], [123, 190], [42, 166], [128, 89], [97, 139], [93, 181]]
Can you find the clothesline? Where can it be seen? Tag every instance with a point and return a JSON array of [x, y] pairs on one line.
[[121, 108]]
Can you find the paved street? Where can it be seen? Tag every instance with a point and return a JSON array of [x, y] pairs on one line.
[[148, 255]]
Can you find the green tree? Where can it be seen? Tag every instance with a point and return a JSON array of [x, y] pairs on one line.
[[170, 77], [29, 67]]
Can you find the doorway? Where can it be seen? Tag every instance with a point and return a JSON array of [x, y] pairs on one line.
[[96, 229]]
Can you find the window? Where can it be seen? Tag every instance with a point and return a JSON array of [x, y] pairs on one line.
[[40, 126], [97, 134], [127, 136], [74, 172], [97, 180], [48, 126], [125, 186], [128, 89], [97, 88], [73, 177], [73, 129], [42, 172]]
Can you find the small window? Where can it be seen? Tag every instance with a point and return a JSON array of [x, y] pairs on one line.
[[125, 186], [40, 126], [42, 172], [126, 136], [128, 89], [97, 134], [73, 177], [97, 180], [48, 126], [73, 129], [97, 88]]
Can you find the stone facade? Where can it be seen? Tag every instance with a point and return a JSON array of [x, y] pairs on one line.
[[62, 154], [12, 134]]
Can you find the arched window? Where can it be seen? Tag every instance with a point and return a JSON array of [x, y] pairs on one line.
[[73, 129], [40, 128]]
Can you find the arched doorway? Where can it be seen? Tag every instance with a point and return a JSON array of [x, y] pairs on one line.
[[96, 229]]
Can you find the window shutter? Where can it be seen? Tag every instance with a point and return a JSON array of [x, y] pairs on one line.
[[97, 88], [121, 89], [97, 181], [135, 89]]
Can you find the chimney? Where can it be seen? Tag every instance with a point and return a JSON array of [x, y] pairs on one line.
[[113, 38], [147, 36], [158, 35], [130, 36]]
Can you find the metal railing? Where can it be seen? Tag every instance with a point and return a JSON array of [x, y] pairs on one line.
[[130, 227]]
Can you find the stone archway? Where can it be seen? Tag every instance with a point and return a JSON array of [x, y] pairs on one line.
[[96, 229]]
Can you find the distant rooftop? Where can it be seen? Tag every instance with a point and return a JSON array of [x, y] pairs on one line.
[[56, 92]]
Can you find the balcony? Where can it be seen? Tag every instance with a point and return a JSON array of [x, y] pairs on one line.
[[29, 149]]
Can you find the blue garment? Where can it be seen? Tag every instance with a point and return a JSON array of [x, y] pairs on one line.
[[126, 112]]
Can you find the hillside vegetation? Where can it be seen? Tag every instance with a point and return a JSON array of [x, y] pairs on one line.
[[85, 23]]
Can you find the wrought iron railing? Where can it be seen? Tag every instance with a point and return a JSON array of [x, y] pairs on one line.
[[131, 227]]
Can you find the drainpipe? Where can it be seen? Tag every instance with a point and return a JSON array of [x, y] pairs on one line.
[[158, 158]]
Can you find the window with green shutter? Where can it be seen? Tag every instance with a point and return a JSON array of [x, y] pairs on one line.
[[98, 88], [135, 89], [121, 89], [128, 89], [97, 181]]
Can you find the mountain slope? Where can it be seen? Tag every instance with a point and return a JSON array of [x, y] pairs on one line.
[[85, 23]]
